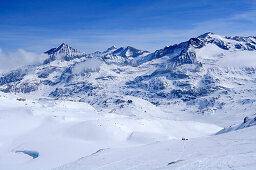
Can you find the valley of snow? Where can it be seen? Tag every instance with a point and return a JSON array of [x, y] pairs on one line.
[[74, 136]]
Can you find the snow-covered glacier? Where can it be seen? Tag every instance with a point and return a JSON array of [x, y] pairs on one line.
[[186, 106]]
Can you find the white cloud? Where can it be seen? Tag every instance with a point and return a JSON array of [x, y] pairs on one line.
[[90, 65], [13, 60]]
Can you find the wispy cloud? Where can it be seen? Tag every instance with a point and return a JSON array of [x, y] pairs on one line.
[[19, 58]]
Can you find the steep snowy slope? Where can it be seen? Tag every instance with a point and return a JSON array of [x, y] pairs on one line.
[[248, 122]]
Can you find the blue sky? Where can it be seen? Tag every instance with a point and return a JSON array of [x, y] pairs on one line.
[[91, 25]]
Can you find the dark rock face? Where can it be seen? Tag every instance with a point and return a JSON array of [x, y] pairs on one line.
[[11, 77], [73, 89], [196, 42]]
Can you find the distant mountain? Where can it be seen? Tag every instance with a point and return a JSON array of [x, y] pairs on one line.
[[204, 74], [63, 52]]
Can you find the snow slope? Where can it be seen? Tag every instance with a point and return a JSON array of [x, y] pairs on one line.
[[46, 134], [248, 122], [236, 150]]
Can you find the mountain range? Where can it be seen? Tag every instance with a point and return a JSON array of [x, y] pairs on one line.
[[205, 74]]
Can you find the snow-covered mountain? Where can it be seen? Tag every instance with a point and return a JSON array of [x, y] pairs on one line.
[[186, 106], [63, 52], [207, 73]]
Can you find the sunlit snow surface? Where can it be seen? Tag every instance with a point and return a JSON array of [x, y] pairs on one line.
[[69, 135], [235, 150]]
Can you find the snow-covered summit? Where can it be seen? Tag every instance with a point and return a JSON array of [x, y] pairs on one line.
[[229, 43], [63, 52], [63, 48], [123, 55], [129, 52], [111, 49]]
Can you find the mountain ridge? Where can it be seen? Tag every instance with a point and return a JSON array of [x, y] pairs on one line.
[[190, 73]]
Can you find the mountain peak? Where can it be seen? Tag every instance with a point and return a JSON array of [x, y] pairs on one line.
[[113, 47], [63, 45], [207, 34], [130, 47], [132, 52], [62, 52], [63, 49]]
